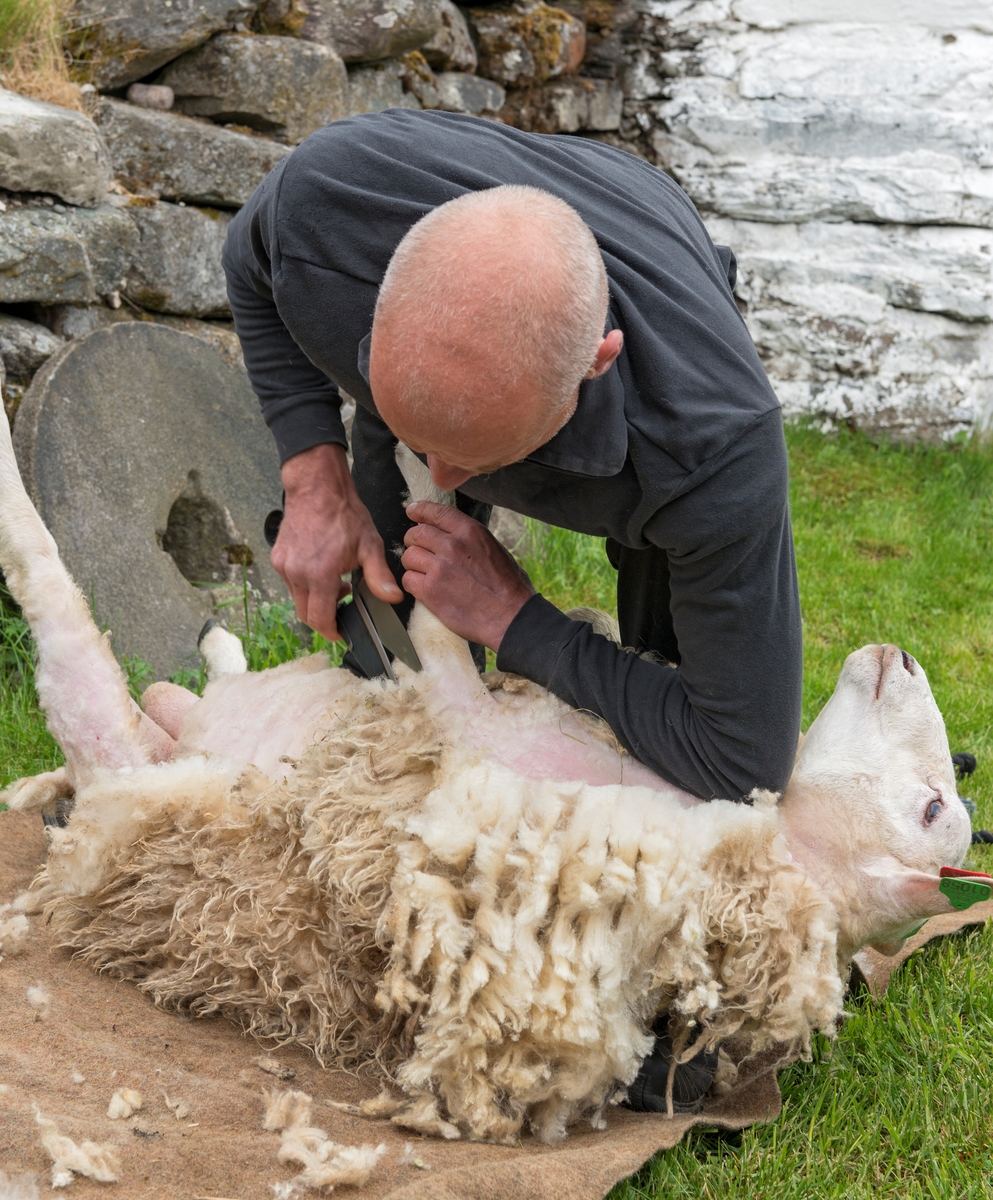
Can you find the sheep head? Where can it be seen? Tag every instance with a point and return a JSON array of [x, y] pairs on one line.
[[872, 810]]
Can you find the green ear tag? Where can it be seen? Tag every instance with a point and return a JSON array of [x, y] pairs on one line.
[[964, 893]]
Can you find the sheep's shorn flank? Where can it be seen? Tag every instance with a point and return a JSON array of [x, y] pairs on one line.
[[497, 944]]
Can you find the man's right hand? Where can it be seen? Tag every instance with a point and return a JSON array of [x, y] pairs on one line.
[[326, 532]]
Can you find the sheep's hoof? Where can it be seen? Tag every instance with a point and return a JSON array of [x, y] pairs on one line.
[[59, 813]]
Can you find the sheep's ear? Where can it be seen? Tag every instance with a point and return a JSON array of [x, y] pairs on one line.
[[903, 900], [921, 895], [916, 895]]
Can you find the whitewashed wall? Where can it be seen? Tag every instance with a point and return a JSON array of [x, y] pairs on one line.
[[844, 148]]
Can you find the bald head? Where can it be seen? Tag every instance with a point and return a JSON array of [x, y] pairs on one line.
[[490, 315]]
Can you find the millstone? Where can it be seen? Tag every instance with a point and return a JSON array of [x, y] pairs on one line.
[[145, 453]]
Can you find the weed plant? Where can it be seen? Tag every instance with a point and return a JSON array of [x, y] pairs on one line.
[[26, 746], [893, 544], [32, 59]]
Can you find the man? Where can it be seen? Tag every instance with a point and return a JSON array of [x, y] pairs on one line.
[[642, 416], [547, 322]]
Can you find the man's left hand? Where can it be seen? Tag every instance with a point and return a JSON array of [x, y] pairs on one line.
[[458, 569]]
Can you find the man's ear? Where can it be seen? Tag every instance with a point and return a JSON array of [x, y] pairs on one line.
[[606, 354]]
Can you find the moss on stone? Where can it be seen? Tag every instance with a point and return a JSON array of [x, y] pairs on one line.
[[539, 31]]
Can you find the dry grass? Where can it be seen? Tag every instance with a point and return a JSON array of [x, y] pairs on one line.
[[32, 60]]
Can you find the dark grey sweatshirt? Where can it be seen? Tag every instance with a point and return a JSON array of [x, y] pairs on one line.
[[679, 445]]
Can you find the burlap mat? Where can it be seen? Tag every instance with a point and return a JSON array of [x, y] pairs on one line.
[[876, 970], [112, 1036]]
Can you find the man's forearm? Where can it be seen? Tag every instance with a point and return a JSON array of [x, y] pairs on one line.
[[727, 720]]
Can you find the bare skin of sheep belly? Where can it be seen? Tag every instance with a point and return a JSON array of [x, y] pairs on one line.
[[459, 879]]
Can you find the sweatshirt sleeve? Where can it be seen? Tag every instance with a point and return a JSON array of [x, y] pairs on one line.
[[300, 404], [727, 719]]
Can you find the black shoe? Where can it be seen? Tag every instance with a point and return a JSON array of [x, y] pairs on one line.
[[690, 1084], [63, 810]]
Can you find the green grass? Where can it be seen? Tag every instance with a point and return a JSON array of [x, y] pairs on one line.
[[893, 544], [26, 746]]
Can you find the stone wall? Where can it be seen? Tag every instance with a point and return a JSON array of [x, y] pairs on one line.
[[845, 151], [121, 215], [849, 163]]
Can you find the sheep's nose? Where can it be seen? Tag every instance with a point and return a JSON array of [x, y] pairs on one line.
[[908, 663]]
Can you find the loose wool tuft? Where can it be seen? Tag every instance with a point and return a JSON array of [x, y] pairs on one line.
[[18, 1187], [40, 1001], [95, 1161], [123, 1103], [497, 945], [325, 1163], [13, 932]]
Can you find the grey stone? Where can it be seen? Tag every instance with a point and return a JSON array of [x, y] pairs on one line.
[[890, 123], [219, 334], [177, 266], [74, 257], [11, 397], [517, 47], [511, 531], [135, 436], [281, 86], [419, 80], [178, 158], [24, 346], [373, 89], [68, 321], [451, 48], [151, 95], [883, 326], [124, 40], [565, 106], [367, 30], [46, 148], [458, 92], [284, 18]]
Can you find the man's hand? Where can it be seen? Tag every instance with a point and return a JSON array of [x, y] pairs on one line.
[[326, 532], [462, 573]]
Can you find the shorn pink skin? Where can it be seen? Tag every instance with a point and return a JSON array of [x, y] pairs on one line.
[[267, 717]]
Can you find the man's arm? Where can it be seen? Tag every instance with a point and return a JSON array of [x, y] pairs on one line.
[[299, 403], [726, 721], [326, 530]]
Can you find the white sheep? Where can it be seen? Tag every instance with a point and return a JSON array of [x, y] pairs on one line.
[[458, 877]]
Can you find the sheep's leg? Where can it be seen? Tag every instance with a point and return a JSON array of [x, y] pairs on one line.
[[80, 686], [39, 793], [167, 704]]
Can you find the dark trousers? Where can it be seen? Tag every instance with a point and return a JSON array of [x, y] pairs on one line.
[[643, 600], [382, 489], [642, 575]]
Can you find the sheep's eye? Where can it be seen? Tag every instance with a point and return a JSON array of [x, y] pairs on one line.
[[933, 811]]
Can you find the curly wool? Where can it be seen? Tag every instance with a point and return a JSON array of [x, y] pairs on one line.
[[218, 892], [500, 945]]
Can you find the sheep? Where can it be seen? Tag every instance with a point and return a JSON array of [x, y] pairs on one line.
[[455, 878]]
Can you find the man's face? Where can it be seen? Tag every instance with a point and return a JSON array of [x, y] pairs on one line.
[[494, 430]]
